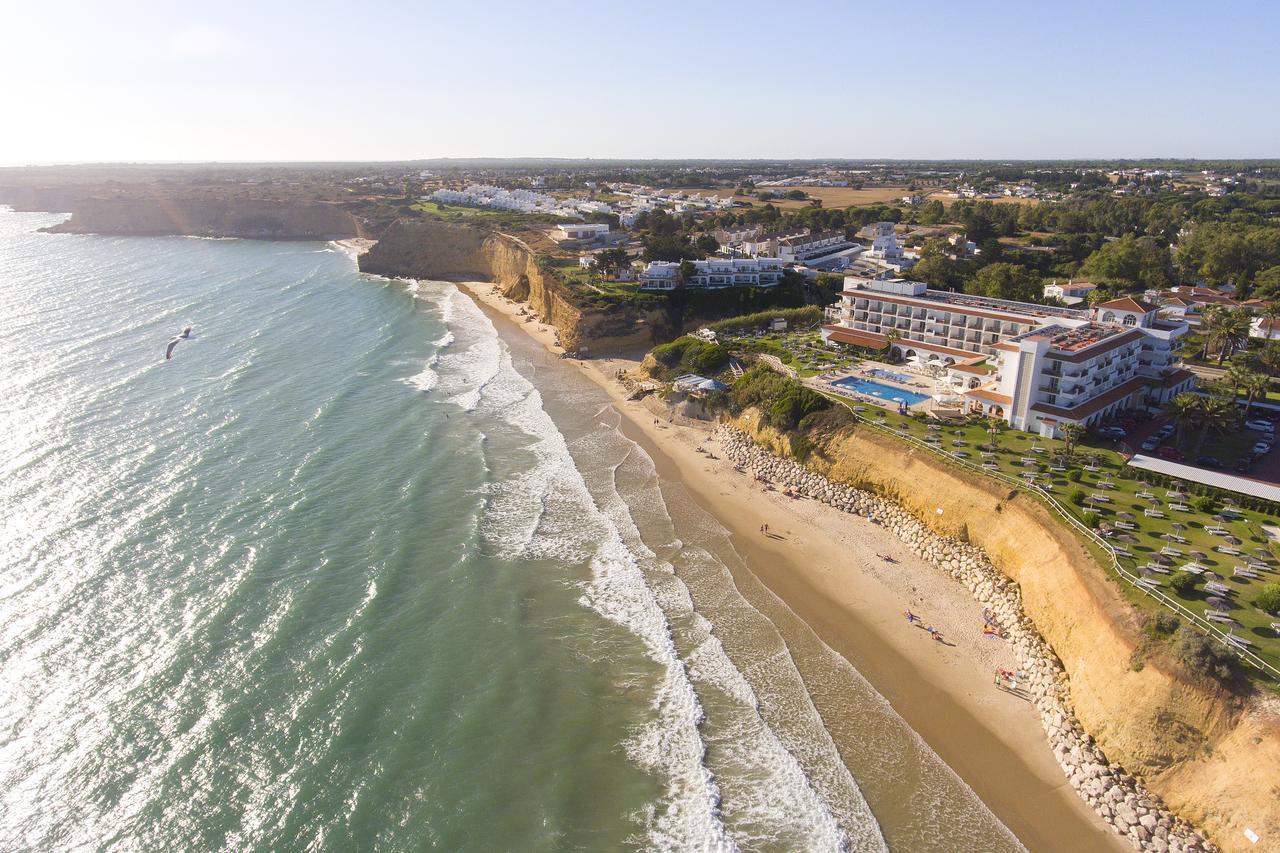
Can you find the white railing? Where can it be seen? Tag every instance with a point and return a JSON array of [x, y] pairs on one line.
[[1204, 625]]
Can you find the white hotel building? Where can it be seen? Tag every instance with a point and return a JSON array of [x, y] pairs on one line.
[[1035, 366], [713, 273]]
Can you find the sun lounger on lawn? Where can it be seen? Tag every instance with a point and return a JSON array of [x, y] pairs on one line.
[[1244, 573], [1217, 588], [1153, 513], [1144, 495], [1148, 583]]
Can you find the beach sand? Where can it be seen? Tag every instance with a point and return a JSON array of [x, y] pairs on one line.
[[823, 566]]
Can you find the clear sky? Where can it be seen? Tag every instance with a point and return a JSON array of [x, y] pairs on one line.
[[379, 80]]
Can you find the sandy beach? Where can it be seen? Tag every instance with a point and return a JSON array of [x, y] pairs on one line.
[[824, 567]]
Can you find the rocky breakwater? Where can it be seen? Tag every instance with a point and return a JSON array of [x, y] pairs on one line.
[[432, 249], [1118, 797]]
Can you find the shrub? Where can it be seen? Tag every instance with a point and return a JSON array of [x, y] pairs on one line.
[[1205, 504], [1183, 583], [1077, 497], [1269, 599], [1092, 519], [1074, 475], [1161, 625], [691, 355], [1203, 656]]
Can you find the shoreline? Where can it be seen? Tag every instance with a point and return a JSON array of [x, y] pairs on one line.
[[822, 567]]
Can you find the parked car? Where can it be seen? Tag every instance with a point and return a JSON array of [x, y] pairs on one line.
[[1170, 453], [1166, 431], [1261, 448], [1116, 432], [1262, 426], [1208, 461], [1151, 443]]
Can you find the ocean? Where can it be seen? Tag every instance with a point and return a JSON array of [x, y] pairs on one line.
[[356, 570]]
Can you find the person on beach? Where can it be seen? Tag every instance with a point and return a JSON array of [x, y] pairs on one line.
[[933, 632], [911, 617]]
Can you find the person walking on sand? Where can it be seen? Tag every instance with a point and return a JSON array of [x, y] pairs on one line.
[[911, 617]]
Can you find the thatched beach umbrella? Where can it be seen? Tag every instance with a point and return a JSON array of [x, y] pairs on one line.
[[1126, 515], [1199, 555], [1178, 525], [1218, 602]]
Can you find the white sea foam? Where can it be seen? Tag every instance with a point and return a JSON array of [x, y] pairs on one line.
[[774, 803], [480, 377]]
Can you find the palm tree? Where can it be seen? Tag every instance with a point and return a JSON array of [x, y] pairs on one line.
[[1247, 383], [1071, 434], [1186, 409], [1258, 385], [891, 337], [1224, 329], [1218, 414]]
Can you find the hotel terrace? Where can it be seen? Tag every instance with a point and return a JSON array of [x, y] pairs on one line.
[[1035, 366]]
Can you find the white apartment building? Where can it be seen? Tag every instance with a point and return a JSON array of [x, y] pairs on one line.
[[767, 244], [806, 247], [713, 273], [1071, 293], [1035, 366], [581, 231]]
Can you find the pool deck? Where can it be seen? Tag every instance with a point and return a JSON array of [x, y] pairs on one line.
[[877, 373]]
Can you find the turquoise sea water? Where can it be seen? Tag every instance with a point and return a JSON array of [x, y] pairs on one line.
[[352, 572]]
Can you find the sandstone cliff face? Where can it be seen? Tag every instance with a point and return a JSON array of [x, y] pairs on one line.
[[1213, 758], [256, 219], [441, 250]]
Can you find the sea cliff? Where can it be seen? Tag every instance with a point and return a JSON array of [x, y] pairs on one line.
[[256, 219], [1213, 757], [447, 251]]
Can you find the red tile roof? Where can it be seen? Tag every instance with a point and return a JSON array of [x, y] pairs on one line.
[[1128, 303], [987, 394], [855, 337]]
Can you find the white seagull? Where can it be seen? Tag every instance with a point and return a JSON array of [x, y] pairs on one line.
[[168, 353]]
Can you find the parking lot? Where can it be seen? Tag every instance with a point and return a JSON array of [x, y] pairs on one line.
[[1228, 449]]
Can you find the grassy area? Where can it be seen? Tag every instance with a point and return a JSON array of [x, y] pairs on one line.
[[592, 289], [803, 351], [1120, 487], [431, 208]]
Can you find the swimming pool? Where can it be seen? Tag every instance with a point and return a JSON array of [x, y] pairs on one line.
[[877, 389]]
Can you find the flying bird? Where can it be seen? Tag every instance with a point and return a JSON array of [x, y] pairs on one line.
[[168, 353]]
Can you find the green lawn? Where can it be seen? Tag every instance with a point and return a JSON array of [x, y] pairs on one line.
[[1148, 536], [802, 350]]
